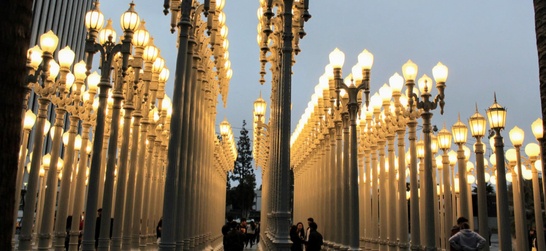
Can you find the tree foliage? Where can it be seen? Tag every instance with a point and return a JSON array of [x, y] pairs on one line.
[[242, 177]]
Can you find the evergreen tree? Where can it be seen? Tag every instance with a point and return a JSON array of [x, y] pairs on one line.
[[242, 195]]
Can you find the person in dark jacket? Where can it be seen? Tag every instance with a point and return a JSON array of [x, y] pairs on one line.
[[314, 242], [296, 238], [234, 239]]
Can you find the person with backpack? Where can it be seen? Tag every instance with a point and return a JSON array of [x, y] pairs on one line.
[[314, 242], [466, 239]]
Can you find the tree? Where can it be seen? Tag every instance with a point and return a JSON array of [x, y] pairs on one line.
[[15, 24], [242, 195]]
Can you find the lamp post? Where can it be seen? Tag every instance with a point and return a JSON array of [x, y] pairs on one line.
[[94, 21], [425, 84], [362, 78], [516, 137], [538, 131], [88, 118], [444, 143], [48, 43], [496, 115], [533, 151], [28, 124], [477, 128], [460, 133]]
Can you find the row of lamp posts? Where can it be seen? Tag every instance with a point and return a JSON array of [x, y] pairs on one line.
[[126, 170], [322, 156]]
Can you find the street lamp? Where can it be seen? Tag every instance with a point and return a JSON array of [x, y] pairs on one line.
[[533, 151], [496, 115], [477, 128], [362, 78], [108, 50], [460, 133], [444, 143], [516, 137], [440, 73], [46, 90]]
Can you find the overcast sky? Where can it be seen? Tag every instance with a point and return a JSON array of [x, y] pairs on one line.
[[489, 46]]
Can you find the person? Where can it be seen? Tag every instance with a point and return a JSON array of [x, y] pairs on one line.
[[456, 228], [314, 242], [226, 228], [297, 237], [466, 239], [158, 229], [242, 228], [531, 238], [97, 227], [250, 233], [309, 220], [234, 239], [257, 232]]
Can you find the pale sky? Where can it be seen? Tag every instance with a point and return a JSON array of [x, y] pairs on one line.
[[489, 46]]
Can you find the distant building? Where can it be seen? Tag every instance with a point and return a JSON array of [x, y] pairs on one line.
[[257, 204]]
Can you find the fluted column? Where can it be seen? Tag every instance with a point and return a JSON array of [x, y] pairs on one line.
[[414, 195], [392, 222], [403, 241]]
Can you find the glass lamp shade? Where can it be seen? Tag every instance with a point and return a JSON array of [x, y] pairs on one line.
[[444, 139], [425, 84], [439, 162], [409, 70], [460, 132], [46, 160], [150, 52], [434, 144], [221, 18], [220, 4], [164, 75], [538, 165], [470, 179], [538, 129], [532, 150], [65, 138], [497, 116], [337, 58], [511, 155], [420, 149], [49, 41], [166, 103], [158, 65], [229, 73], [477, 125], [69, 82], [527, 173], [141, 36], [375, 101], [93, 81], [466, 152], [225, 44], [34, 55], [396, 82], [107, 33], [66, 57], [493, 159], [54, 69], [47, 126], [29, 120], [357, 73], [385, 92], [94, 19], [439, 72], [224, 32], [78, 142], [79, 70], [365, 60], [225, 128], [516, 136], [130, 19]]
